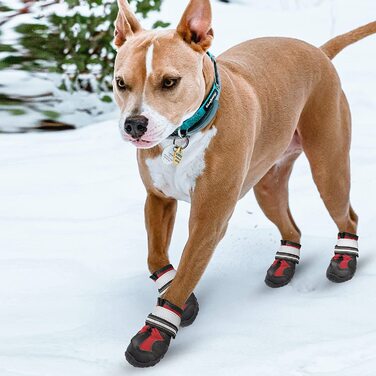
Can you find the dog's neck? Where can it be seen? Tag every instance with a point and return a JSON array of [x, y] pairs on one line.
[[206, 113], [208, 73]]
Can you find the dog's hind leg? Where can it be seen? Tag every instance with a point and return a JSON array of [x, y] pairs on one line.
[[325, 128], [272, 195], [272, 192]]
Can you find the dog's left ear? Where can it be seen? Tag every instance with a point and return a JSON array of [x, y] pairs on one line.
[[126, 23], [195, 25]]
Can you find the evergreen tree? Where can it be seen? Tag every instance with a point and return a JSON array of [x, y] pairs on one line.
[[71, 41], [73, 37]]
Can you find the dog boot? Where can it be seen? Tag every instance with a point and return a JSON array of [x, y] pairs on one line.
[[163, 278], [342, 267], [151, 343], [283, 268], [190, 311]]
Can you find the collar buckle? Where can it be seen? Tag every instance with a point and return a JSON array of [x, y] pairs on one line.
[[182, 133]]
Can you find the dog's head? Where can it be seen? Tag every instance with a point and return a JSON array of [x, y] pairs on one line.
[[158, 78]]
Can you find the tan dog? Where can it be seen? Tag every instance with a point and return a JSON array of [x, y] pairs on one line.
[[279, 97]]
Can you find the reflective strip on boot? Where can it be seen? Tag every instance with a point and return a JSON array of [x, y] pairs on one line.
[[166, 317], [163, 278], [289, 251], [347, 244]]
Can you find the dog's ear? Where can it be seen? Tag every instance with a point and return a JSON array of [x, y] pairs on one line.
[[195, 25], [126, 23]]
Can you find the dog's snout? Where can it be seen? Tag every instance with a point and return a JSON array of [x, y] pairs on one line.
[[136, 126]]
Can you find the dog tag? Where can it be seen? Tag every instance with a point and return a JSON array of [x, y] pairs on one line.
[[168, 155], [178, 155]]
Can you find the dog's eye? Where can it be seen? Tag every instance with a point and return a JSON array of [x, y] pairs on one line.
[[121, 84], [169, 83]]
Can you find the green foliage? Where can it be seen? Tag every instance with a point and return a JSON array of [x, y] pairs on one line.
[[51, 114], [77, 45], [160, 24], [106, 99], [145, 6], [4, 8], [17, 111], [7, 48]]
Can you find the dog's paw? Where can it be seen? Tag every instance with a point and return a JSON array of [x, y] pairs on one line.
[[190, 311], [151, 343], [147, 347], [280, 273], [341, 268]]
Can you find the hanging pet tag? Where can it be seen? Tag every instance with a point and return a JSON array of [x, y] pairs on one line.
[[168, 155], [173, 154], [178, 155]]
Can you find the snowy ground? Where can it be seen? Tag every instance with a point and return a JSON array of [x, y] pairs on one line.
[[74, 285]]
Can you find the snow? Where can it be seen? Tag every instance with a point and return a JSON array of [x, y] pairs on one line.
[[74, 284], [41, 96]]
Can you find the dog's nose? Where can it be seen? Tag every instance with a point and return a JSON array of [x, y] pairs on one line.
[[136, 126]]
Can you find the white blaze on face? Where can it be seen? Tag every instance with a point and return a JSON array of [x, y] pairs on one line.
[[159, 127], [149, 60]]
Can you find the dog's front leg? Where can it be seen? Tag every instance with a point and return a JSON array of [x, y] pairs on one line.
[[159, 220], [207, 225], [160, 215], [213, 203]]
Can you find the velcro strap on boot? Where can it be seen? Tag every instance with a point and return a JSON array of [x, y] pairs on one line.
[[289, 251], [166, 317], [163, 278], [347, 244]]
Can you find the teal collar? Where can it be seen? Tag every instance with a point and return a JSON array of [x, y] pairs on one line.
[[207, 111]]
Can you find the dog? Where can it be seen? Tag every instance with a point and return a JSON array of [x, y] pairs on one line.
[[208, 130]]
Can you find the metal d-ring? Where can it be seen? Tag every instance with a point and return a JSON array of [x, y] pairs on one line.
[[180, 134], [186, 139]]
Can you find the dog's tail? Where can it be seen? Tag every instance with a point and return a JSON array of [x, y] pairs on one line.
[[337, 44]]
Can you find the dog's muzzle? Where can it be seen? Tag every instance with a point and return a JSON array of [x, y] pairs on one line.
[[136, 126]]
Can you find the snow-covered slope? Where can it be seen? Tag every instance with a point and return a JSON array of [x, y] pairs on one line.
[[74, 284]]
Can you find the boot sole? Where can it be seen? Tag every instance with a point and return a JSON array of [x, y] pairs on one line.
[[135, 363], [334, 278], [274, 285]]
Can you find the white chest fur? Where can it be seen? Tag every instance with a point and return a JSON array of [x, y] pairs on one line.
[[179, 181]]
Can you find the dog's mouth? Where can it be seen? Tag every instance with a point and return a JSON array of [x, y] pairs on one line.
[[143, 144], [146, 141], [139, 142]]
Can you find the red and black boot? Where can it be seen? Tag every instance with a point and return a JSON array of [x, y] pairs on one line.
[[151, 343], [342, 267], [283, 268], [163, 279]]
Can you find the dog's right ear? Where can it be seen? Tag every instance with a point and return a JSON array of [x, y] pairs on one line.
[[126, 23]]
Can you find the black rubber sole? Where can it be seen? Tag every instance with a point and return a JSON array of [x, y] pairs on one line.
[[132, 361], [186, 323], [334, 278], [275, 285]]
